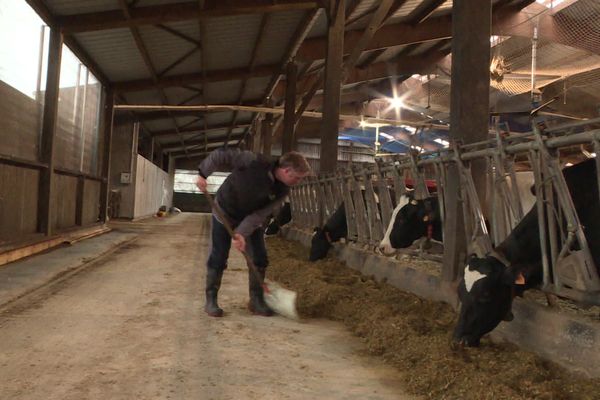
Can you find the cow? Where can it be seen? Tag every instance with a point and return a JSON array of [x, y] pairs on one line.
[[490, 284], [411, 220], [335, 228], [283, 217]]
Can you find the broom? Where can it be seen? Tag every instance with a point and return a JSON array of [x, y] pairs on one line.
[[279, 299]]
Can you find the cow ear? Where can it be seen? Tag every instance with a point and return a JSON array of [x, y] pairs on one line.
[[520, 279], [513, 276]]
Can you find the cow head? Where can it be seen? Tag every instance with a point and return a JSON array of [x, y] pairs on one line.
[[319, 245], [272, 228], [486, 293], [412, 221]]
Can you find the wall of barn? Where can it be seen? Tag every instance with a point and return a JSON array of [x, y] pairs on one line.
[[123, 160], [153, 188], [74, 152], [19, 138]]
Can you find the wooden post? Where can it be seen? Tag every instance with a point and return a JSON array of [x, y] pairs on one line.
[[107, 122], [332, 86], [45, 203], [267, 131], [469, 113], [289, 115]]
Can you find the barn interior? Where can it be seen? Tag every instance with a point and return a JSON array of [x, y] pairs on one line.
[[109, 106]]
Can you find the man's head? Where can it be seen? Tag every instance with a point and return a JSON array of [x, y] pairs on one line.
[[292, 168]]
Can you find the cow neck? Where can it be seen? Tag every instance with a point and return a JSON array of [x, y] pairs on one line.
[[500, 257]]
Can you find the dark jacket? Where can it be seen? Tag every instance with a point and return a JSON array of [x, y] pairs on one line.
[[250, 193]]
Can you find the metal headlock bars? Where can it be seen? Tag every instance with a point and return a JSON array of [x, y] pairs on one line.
[[370, 192]]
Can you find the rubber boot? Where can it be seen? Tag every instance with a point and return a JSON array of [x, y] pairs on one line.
[[257, 305], [213, 283]]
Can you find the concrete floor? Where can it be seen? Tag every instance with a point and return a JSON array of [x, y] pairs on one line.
[[120, 317]]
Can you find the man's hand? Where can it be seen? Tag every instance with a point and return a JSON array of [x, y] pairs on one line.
[[201, 183], [239, 242]]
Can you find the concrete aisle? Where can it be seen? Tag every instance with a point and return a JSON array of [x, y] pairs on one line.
[[130, 325]]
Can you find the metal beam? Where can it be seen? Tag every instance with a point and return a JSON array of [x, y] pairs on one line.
[[185, 11]]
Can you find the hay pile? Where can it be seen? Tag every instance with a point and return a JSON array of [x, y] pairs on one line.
[[414, 335]]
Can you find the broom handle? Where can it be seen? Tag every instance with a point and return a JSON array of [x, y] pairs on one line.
[[225, 223]]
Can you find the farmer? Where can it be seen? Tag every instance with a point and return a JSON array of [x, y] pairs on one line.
[[251, 193]]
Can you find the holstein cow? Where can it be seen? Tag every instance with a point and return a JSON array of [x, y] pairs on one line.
[[335, 228], [489, 285], [411, 220], [283, 217]]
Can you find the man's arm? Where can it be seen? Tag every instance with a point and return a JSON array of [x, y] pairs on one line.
[[256, 219], [224, 158]]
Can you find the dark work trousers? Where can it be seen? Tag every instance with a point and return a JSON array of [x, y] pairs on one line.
[[221, 243]]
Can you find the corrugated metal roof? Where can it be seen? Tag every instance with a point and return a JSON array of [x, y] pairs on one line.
[[278, 34], [255, 88], [165, 48], [116, 53], [226, 92], [143, 97], [229, 41]]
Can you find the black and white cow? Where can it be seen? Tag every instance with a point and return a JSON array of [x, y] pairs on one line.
[[411, 220], [283, 217], [489, 284], [335, 228]]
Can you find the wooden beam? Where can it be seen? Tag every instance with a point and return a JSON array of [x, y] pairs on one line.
[[42, 10], [49, 119], [209, 145], [267, 131], [184, 11], [424, 10], [198, 130], [169, 147], [469, 118], [195, 78], [257, 43], [289, 116], [148, 61], [332, 79]]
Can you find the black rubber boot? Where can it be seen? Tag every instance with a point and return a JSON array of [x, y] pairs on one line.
[[213, 283], [257, 303]]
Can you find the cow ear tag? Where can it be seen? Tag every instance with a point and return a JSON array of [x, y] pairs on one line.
[[520, 279], [426, 218]]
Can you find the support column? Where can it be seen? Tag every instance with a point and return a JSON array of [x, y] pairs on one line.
[[469, 114], [289, 115], [45, 197], [107, 123], [332, 85], [267, 131]]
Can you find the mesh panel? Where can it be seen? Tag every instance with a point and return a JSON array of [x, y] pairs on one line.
[[568, 54]]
